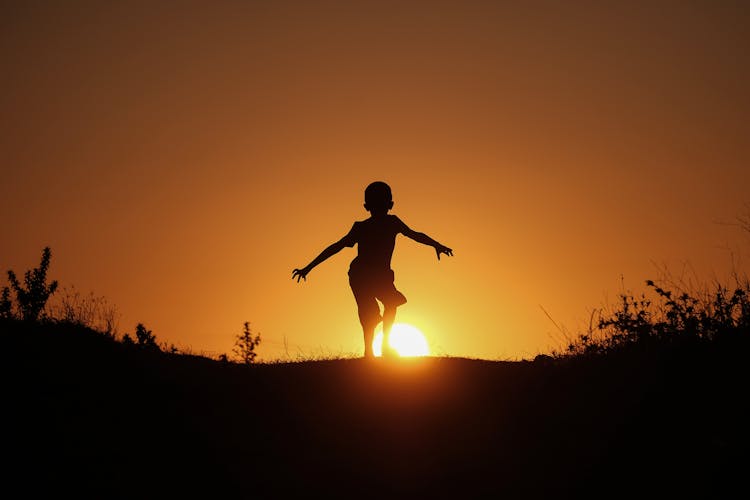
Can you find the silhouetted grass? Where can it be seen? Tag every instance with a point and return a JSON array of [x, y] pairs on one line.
[[69, 305]]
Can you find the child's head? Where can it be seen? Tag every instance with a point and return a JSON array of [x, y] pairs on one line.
[[378, 198]]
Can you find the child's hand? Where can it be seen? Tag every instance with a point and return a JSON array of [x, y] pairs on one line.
[[442, 249], [300, 273]]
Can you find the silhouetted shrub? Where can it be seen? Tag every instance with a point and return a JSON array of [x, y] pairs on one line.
[[672, 317], [32, 296], [144, 338], [245, 344]]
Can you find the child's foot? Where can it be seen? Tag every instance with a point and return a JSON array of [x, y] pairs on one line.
[[390, 352]]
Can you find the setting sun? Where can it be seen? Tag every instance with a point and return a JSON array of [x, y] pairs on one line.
[[406, 339]]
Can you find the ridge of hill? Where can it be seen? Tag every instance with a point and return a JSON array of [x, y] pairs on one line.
[[92, 417]]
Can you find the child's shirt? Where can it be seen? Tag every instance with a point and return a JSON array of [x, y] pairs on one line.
[[375, 239]]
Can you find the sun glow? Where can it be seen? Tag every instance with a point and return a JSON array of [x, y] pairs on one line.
[[406, 339]]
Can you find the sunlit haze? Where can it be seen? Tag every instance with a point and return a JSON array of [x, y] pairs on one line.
[[406, 340], [182, 158]]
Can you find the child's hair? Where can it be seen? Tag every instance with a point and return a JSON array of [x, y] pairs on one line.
[[378, 195]]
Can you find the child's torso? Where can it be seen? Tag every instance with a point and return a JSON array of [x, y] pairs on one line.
[[376, 239]]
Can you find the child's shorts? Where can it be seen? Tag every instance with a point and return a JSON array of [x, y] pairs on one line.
[[369, 286]]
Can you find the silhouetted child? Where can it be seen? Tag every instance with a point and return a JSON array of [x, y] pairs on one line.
[[370, 274]]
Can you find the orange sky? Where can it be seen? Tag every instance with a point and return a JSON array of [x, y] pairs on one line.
[[181, 158]]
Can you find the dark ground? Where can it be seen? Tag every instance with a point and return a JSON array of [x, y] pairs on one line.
[[87, 417]]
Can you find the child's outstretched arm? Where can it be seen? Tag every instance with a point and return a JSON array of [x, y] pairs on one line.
[[332, 249], [426, 240]]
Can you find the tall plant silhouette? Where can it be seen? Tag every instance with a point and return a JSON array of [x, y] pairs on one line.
[[245, 344], [32, 295]]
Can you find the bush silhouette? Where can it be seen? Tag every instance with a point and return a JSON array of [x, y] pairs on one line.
[[245, 344], [32, 296], [673, 317], [677, 315], [144, 338]]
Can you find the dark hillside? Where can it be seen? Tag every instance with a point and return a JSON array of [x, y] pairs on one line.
[[90, 417]]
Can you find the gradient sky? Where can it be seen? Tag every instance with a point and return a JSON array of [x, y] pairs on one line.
[[181, 158]]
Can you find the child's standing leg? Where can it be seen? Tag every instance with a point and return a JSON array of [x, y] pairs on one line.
[[367, 309], [389, 316], [369, 334], [369, 317]]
